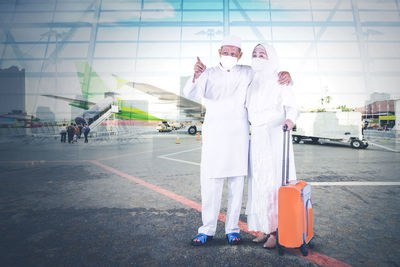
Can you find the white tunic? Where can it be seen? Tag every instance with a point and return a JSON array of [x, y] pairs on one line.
[[268, 104], [225, 130]]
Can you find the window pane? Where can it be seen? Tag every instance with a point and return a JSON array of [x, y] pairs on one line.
[[31, 34], [382, 33], [339, 65], [333, 16], [379, 16], [291, 16], [159, 33], [336, 33], [202, 16], [252, 33], [290, 4], [338, 50], [131, 16], [329, 4], [113, 65], [292, 33], [74, 17], [295, 49], [374, 4], [23, 17], [245, 4], [158, 50], [121, 4], [389, 50], [74, 50], [161, 4], [249, 16], [111, 50], [387, 65], [157, 66], [202, 33], [25, 51], [81, 5], [117, 34], [207, 4], [164, 15]]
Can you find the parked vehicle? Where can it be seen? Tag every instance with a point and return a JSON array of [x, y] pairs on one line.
[[164, 127], [331, 125], [195, 127]]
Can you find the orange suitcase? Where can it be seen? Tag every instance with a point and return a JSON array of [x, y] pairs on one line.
[[295, 213]]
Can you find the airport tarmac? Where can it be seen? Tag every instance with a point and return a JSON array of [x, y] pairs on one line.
[[136, 203]]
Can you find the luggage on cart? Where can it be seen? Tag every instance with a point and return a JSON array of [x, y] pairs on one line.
[[295, 213]]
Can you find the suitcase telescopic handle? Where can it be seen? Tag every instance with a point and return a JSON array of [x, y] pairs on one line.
[[285, 156]]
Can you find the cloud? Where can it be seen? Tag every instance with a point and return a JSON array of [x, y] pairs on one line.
[[164, 10]]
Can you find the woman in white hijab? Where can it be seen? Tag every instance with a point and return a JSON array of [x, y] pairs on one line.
[[270, 106]]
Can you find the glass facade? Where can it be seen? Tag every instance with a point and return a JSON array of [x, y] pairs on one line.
[[346, 49]]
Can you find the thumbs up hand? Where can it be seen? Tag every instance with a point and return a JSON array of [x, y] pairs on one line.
[[199, 68]]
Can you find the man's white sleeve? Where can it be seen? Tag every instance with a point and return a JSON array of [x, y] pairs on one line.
[[196, 90], [290, 103]]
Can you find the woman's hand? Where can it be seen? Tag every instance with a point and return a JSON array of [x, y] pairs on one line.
[[284, 78], [289, 124]]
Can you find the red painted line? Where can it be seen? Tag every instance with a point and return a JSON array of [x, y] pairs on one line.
[[183, 200], [320, 259], [313, 256], [42, 161]]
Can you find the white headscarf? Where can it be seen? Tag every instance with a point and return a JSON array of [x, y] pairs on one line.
[[271, 65], [263, 94]]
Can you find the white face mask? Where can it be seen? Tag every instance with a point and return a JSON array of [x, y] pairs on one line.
[[259, 64], [228, 62]]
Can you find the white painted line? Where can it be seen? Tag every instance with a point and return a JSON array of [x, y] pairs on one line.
[[180, 152], [166, 156], [354, 183], [393, 150], [348, 183], [179, 160]]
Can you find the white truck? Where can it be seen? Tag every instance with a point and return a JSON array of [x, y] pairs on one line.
[[331, 125]]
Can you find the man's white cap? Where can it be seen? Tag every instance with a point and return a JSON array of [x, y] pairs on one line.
[[232, 40]]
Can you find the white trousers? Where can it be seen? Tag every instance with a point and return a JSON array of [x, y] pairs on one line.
[[211, 194]]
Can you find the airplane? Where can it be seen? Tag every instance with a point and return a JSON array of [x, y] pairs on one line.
[[96, 97], [20, 119]]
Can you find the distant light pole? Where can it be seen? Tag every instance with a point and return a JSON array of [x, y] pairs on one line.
[[387, 112], [379, 114]]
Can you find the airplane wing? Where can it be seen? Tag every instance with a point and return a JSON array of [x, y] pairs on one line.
[[23, 117], [73, 101], [189, 107]]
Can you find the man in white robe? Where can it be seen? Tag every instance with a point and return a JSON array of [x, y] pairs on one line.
[[225, 137]]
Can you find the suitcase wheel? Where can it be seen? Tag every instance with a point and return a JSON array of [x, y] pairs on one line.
[[303, 250], [311, 245]]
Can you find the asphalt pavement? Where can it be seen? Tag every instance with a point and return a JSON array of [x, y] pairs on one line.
[[135, 202]]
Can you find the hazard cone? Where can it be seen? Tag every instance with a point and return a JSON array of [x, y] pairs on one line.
[[178, 141], [198, 136]]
